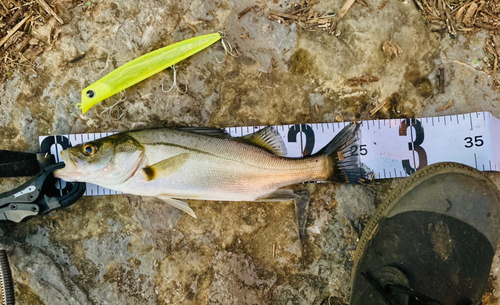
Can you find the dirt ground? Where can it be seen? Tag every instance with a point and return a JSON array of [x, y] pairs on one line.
[[133, 250]]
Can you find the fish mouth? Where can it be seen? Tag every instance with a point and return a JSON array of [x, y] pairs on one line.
[[70, 172]]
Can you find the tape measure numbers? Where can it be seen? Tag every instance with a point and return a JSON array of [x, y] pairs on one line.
[[390, 148]]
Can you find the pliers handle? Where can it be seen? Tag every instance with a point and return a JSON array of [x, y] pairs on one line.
[[39, 196]]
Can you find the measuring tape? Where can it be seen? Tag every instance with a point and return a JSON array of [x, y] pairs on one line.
[[390, 148]]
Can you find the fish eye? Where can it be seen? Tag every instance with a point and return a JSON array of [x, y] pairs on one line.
[[90, 93], [89, 149]]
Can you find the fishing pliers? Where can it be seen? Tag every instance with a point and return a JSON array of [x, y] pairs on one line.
[[41, 194]]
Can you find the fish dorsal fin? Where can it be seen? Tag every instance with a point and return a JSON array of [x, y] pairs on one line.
[[166, 167], [268, 139], [181, 205], [212, 132]]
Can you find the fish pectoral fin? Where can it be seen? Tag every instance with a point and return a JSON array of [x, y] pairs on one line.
[[166, 167], [268, 139], [181, 205], [279, 195]]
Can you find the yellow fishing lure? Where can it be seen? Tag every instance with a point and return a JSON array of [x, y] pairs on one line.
[[143, 67]]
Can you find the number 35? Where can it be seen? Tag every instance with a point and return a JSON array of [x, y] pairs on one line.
[[477, 141]]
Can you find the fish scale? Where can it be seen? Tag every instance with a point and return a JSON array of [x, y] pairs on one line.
[[278, 171]]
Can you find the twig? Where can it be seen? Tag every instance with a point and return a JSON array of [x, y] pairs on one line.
[[489, 14], [377, 108], [247, 10], [4, 6], [319, 20], [345, 8], [12, 20], [420, 5], [449, 22], [495, 66], [441, 80], [384, 3], [441, 8], [305, 17], [79, 57], [427, 6], [24, 44], [47, 8], [287, 16], [15, 3], [360, 80], [363, 2], [333, 27], [497, 45], [14, 30], [485, 25], [304, 9], [192, 28]]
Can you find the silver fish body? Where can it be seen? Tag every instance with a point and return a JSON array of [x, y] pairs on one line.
[[202, 164]]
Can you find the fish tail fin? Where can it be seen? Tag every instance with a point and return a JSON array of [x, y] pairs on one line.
[[344, 159]]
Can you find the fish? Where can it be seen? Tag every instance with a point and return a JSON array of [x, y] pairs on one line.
[[174, 164]]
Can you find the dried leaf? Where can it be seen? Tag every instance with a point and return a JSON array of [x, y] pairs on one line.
[[391, 50], [470, 13], [445, 106], [460, 12], [32, 52]]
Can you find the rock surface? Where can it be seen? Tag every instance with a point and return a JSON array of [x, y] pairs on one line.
[[131, 250]]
